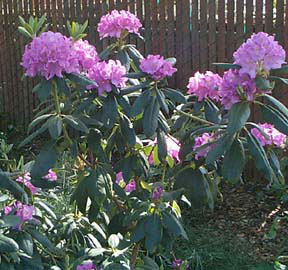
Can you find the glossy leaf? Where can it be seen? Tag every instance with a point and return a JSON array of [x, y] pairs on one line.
[[238, 116], [150, 117]]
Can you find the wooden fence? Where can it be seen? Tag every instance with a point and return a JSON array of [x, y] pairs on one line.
[[196, 32]]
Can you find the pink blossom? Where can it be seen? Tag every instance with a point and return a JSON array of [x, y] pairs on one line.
[[51, 176], [131, 186], [173, 148], [86, 266], [119, 177], [202, 140], [107, 73], [259, 54], [86, 53], [115, 23], [275, 137], [205, 85], [50, 55], [157, 67], [232, 83], [26, 180], [24, 211], [157, 193]]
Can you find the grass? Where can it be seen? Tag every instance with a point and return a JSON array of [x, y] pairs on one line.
[[210, 248]]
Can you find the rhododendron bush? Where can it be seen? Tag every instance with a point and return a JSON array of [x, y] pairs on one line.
[[136, 147]]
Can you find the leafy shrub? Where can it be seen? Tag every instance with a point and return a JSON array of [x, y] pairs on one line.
[[110, 117]]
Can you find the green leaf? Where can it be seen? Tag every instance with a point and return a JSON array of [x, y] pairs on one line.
[[44, 205], [275, 164], [139, 231], [55, 127], [260, 156], [172, 60], [162, 102], [10, 221], [38, 120], [150, 264], [110, 112], [195, 184], [80, 79], [283, 69], [234, 161], [174, 95], [264, 84], [44, 241], [43, 89], [212, 112], [45, 160], [13, 187], [94, 140], [275, 103], [140, 103], [219, 148], [275, 117], [127, 130], [76, 123], [135, 55], [124, 58], [135, 75], [173, 225], [150, 117], [227, 65], [238, 116], [275, 78], [104, 54], [134, 88], [25, 243], [162, 145], [153, 232], [7, 244], [24, 32]]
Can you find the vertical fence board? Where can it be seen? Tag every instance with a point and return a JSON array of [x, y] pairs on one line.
[[154, 26], [203, 36], [139, 13], [195, 35], [179, 42], [111, 5], [212, 35], [162, 28], [249, 18], [148, 31], [268, 16], [239, 23], [186, 52], [230, 30], [259, 16], [279, 20], [221, 31]]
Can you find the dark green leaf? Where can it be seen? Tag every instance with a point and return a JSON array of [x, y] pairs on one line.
[[140, 103], [127, 130], [135, 75], [238, 116], [104, 54], [76, 123], [153, 232], [174, 95], [80, 79], [264, 84], [162, 102], [212, 112], [25, 242], [150, 117], [234, 161], [44, 241], [283, 69], [55, 126], [276, 104], [43, 89], [275, 164], [134, 88], [110, 111], [162, 145], [274, 78], [10, 221], [38, 120], [260, 157], [124, 58], [219, 148], [7, 244], [173, 225], [139, 232]]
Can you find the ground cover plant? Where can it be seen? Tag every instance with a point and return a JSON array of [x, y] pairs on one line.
[[124, 151]]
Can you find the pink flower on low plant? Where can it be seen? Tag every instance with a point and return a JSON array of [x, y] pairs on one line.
[[259, 54], [86, 266], [202, 140], [24, 211], [274, 137], [205, 85], [50, 55], [119, 177], [157, 67], [107, 73], [117, 22], [173, 148], [86, 53], [131, 186], [51, 176], [235, 87], [26, 180], [157, 193]]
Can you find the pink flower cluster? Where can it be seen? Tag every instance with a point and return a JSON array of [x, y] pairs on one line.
[[24, 211], [26, 180], [131, 186], [50, 55], [157, 193], [115, 23], [259, 54], [173, 148], [275, 137], [105, 73], [86, 53], [157, 67], [232, 83], [205, 85], [86, 266], [202, 140]]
